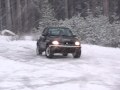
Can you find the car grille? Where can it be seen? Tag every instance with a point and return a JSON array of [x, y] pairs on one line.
[[68, 43]]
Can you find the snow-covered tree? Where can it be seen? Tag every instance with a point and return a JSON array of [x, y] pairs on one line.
[[95, 30], [47, 15]]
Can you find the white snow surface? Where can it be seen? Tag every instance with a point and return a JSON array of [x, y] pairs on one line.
[[21, 69], [7, 31], [5, 38]]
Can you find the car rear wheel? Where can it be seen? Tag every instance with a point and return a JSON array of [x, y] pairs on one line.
[[48, 52], [38, 51], [77, 54]]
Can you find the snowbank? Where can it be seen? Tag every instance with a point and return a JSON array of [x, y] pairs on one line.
[[5, 38], [3, 32], [22, 69]]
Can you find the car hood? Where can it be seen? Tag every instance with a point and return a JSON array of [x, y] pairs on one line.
[[63, 38]]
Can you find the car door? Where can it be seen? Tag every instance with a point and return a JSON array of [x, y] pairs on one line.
[[43, 38]]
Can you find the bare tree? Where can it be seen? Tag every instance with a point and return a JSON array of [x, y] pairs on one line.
[[118, 9], [26, 15], [8, 14], [19, 17], [106, 7], [66, 8], [0, 16], [93, 7]]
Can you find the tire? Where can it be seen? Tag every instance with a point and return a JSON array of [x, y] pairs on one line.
[[38, 51], [48, 52], [65, 54], [77, 54]]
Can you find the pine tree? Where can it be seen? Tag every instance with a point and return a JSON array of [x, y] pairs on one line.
[[47, 15]]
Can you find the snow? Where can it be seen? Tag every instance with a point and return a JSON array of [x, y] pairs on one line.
[[22, 69], [27, 38], [5, 38], [7, 31]]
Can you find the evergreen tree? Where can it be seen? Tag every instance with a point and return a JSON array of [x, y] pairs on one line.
[[47, 15]]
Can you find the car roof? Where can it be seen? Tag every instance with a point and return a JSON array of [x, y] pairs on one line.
[[57, 27]]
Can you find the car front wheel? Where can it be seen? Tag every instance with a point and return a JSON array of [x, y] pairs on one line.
[[48, 52], [77, 54]]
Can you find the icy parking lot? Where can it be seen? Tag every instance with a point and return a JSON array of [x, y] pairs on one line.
[[22, 69]]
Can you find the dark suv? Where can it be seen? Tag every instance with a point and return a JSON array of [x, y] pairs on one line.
[[58, 40]]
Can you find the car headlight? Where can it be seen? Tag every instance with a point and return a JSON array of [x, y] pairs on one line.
[[77, 43], [55, 42]]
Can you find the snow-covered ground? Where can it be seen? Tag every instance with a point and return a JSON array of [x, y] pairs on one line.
[[22, 69]]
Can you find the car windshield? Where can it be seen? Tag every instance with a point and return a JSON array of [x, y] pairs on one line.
[[60, 32]]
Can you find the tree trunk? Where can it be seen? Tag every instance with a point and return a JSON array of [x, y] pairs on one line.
[[8, 15], [19, 13], [66, 8], [106, 7], [118, 10], [26, 16], [93, 7], [30, 14], [13, 15], [70, 8], [0, 16]]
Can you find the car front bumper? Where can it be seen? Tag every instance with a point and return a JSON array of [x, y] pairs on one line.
[[64, 48]]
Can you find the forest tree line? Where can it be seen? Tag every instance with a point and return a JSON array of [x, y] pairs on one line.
[[68, 8], [21, 16]]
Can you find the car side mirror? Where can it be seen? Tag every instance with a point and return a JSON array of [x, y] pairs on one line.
[[44, 34], [74, 36]]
